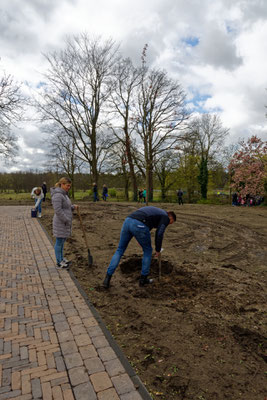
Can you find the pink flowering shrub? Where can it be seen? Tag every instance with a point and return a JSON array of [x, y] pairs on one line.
[[248, 168]]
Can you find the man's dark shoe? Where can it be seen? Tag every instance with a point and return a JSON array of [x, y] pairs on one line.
[[106, 282], [144, 280]]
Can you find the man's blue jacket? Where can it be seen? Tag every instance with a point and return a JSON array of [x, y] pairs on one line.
[[153, 217]]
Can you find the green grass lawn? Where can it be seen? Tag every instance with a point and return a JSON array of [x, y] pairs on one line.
[[12, 196], [114, 195]]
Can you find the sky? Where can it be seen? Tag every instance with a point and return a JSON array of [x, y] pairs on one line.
[[216, 49]]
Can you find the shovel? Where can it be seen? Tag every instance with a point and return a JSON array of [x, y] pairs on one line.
[[90, 258], [159, 261]]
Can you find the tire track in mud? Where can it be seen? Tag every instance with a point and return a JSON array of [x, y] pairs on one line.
[[229, 242]]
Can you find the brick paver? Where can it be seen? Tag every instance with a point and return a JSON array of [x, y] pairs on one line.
[[51, 344]]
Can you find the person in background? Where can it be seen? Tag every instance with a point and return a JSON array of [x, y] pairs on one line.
[[37, 195], [44, 189], [234, 199], [144, 195], [62, 220], [105, 193], [180, 196], [95, 192], [138, 225], [140, 195]]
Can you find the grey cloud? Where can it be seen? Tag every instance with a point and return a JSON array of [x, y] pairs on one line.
[[216, 48], [32, 139], [21, 23], [181, 20], [253, 9], [16, 30], [43, 8], [133, 47], [27, 158], [26, 162], [256, 100]]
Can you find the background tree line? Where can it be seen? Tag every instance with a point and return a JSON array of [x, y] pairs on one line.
[[104, 114], [23, 182]]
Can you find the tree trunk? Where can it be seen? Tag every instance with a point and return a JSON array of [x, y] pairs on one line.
[[94, 155], [163, 192], [126, 188], [134, 183], [72, 178], [203, 178], [131, 166], [151, 187], [147, 184]]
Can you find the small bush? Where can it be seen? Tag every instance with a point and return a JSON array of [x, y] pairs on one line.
[[214, 200], [120, 195], [112, 192]]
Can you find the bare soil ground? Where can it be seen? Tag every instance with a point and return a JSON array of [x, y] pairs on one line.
[[198, 333]]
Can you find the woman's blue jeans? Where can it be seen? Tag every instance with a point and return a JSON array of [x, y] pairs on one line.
[[133, 228], [39, 205], [59, 246]]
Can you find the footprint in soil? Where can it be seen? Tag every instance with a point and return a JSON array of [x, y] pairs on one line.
[[255, 342]]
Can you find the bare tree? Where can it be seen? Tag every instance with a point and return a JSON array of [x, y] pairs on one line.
[[63, 154], [127, 79], [209, 134], [78, 87], [160, 115], [11, 103], [117, 162], [164, 169]]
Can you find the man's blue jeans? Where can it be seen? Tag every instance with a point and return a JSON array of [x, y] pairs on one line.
[[59, 246], [133, 228]]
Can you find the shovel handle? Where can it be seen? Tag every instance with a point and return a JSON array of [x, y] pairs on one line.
[[82, 226], [159, 261]]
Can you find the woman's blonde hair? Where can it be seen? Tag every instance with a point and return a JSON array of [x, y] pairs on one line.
[[63, 180]]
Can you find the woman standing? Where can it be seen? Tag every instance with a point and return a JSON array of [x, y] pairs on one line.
[[62, 220]]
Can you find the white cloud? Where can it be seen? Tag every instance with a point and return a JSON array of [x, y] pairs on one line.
[[217, 50]]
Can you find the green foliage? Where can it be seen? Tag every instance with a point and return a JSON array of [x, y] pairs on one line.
[[112, 192], [203, 177], [13, 196], [186, 175], [214, 199], [120, 195], [83, 195]]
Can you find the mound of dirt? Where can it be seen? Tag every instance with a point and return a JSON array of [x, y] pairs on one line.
[[197, 333]]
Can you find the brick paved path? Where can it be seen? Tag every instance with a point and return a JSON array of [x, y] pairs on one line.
[[52, 345]]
